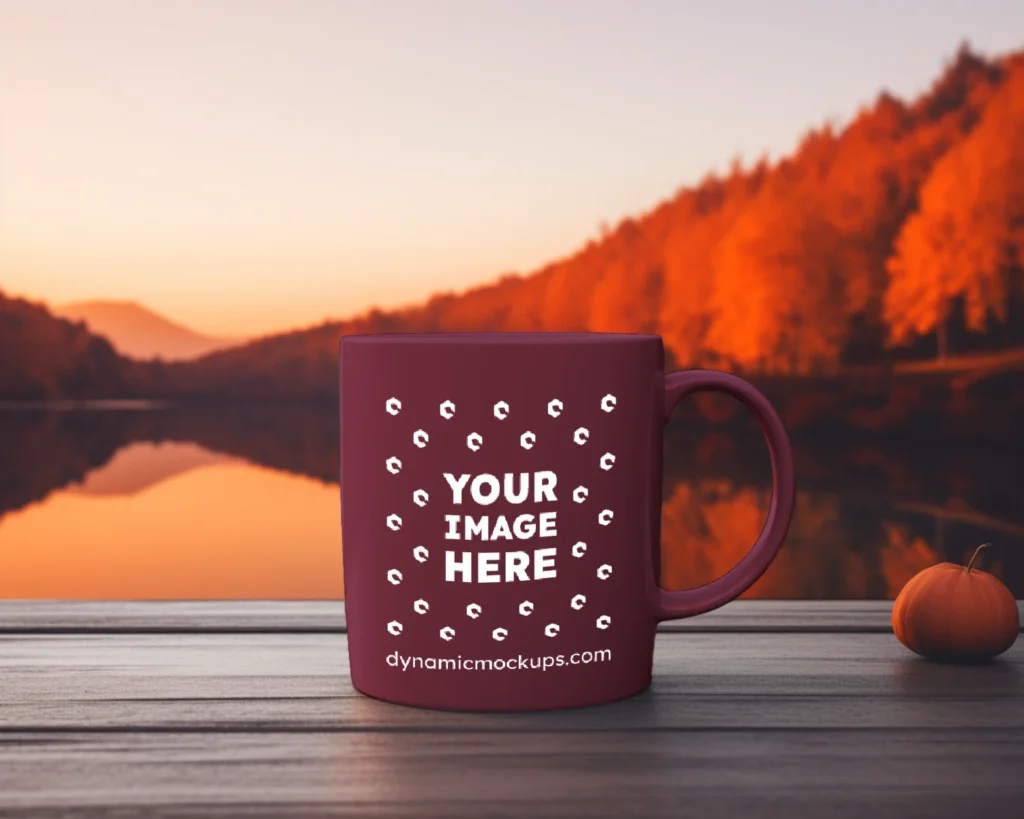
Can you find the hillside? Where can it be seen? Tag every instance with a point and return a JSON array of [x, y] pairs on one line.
[[139, 332], [43, 357], [898, 237]]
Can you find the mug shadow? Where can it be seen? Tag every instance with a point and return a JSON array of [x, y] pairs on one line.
[[637, 712]]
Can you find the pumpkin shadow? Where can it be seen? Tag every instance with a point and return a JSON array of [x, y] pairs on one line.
[[918, 677]]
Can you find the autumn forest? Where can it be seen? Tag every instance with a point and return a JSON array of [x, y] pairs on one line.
[[899, 237]]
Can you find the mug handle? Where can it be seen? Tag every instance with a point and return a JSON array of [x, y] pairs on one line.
[[672, 605]]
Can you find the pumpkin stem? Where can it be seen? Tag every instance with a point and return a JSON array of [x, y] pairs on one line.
[[975, 555]]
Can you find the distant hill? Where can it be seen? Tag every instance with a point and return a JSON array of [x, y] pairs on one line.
[[139, 332], [898, 237]]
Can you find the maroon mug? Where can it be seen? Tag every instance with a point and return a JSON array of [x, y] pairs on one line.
[[501, 515]]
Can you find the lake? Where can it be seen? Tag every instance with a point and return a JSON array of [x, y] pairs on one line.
[[182, 502]]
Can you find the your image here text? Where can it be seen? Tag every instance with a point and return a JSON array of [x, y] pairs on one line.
[[493, 566]]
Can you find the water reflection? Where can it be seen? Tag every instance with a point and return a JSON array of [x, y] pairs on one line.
[[175, 521], [242, 502], [708, 525], [141, 465]]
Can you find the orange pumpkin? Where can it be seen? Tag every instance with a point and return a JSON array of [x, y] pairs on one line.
[[956, 613]]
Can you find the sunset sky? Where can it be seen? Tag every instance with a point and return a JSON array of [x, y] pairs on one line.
[[245, 167]]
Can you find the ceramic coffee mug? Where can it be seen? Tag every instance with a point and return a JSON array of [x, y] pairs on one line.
[[501, 510]]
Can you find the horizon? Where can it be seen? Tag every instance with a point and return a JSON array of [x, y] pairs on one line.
[[248, 222]]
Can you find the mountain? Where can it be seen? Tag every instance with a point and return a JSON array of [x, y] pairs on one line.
[[139, 332], [896, 237]]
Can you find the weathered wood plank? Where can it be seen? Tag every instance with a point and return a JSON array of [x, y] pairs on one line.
[[172, 616], [328, 616], [287, 683], [761, 725], [268, 725], [81, 617], [906, 774]]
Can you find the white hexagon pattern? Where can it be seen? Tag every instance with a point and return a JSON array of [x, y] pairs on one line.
[[474, 442]]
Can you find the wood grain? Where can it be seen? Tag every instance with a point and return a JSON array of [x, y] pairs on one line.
[[208, 723], [300, 683], [328, 617], [713, 775], [163, 617], [246, 617]]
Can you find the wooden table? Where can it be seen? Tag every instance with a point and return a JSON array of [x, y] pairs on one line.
[[762, 709]]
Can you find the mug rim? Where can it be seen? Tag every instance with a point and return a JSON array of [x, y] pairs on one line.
[[502, 337]]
